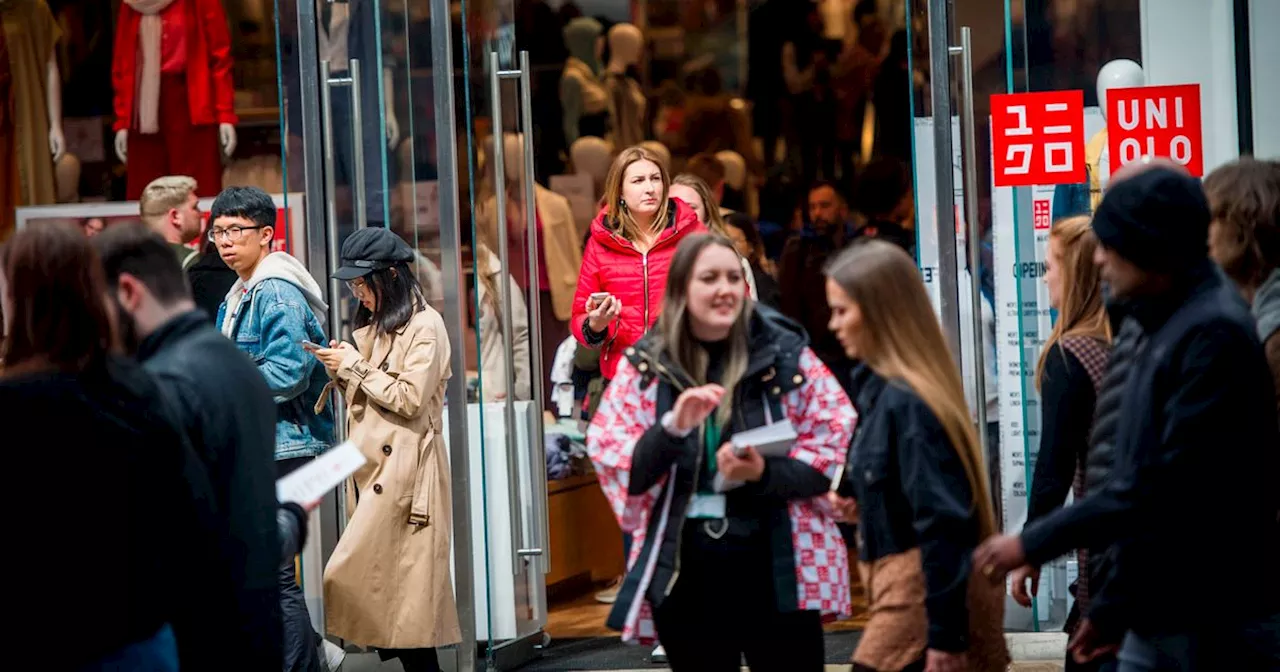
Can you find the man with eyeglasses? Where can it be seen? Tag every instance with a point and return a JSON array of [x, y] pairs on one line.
[[272, 309]]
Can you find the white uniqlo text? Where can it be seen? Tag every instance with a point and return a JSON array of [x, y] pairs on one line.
[[1018, 155], [1061, 148]]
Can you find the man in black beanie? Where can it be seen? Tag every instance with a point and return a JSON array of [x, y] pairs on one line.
[[1193, 492]]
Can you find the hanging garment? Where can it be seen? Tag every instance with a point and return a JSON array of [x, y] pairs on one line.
[[626, 110], [8, 176], [179, 148], [30, 33]]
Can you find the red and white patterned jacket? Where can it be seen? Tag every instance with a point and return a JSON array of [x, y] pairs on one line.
[[823, 418]]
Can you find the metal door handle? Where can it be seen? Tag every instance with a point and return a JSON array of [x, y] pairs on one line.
[[538, 445], [969, 169], [357, 146]]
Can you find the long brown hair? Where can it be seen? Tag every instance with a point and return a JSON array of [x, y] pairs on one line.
[[901, 339], [58, 300], [673, 323], [617, 218], [1082, 312], [715, 221]]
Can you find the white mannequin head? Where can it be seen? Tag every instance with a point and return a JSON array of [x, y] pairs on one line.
[[735, 168], [1121, 73], [659, 149], [592, 155], [625, 44]]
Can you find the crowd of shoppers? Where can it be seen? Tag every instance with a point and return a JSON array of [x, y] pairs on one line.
[[1159, 415]]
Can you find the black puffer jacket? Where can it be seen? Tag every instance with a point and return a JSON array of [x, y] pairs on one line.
[[1102, 449]]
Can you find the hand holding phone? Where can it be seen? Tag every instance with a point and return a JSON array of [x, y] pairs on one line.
[[309, 346]]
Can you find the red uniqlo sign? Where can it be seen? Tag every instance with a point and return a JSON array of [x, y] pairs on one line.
[[1038, 138], [1151, 121], [1041, 214]]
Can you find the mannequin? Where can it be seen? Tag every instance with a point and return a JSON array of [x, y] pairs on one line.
[[584, 101], [592, 155], [1118, 74], [174, 100], [1083, 199], [626, 99], [31, 138], [347, 31], [659, 149]]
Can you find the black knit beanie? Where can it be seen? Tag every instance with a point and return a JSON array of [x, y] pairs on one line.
[[1157, 219]]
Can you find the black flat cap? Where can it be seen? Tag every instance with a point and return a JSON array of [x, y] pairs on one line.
[[369, 250]]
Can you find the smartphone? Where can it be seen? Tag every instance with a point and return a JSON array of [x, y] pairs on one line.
[[599, 296], [309, 346]]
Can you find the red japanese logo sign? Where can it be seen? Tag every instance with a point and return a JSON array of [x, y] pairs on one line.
[[1038, 138], [1042, 217], [1151, 121]]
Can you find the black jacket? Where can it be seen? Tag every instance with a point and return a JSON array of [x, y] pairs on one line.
[[912, 492], [1194, 486], [210, 279], [773, 370], [1102, 438], [227, 411], [112, 509]]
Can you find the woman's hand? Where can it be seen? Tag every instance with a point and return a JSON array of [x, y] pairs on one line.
[[846, 508], [332, 356], [601, 314], [694, 405], [749, 468], [945, 661], [1020, 576]]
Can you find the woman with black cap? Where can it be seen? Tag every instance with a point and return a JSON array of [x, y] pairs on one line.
[[387, 584]]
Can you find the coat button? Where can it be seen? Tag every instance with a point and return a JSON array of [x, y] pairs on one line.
[[798, 379], [867, 473], [377, 488], [386, 450], [643, 367], [631, 352], [776, 390], [382, 366]]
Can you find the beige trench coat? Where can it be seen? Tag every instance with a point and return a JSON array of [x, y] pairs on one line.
[[387, 584]]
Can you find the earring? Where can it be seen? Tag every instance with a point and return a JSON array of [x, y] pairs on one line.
[[622, 205]]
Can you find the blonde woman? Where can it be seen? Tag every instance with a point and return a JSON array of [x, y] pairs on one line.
[[915, 473], [1068, 375], [722, 571]]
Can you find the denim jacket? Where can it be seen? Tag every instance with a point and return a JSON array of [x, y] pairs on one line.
[[269, 325]]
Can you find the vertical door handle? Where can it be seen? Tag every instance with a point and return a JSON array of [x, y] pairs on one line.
[[357, 147], [331, 250], [969, 169], [537, 445]]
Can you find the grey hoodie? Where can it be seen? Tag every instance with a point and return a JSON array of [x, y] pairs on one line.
[[282, 266], [1266, 306]]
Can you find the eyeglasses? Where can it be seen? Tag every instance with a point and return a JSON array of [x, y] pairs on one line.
[[356, 286], [231, 233]]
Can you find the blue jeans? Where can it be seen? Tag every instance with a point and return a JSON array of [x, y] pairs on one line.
[[159, 653], [1252, 645]]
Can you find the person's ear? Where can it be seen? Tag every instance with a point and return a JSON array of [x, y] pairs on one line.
[[130, 292], [174, 216], [266, 233]]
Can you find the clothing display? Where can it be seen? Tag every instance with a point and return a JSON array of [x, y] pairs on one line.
[[171, 73], [8, 176], [626, 109], [30, 35], [584, 101]]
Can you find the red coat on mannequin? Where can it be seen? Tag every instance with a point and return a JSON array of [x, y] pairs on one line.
[[193, 102], [210, 93]]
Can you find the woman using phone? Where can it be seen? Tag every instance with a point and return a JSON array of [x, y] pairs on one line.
[[915, 473], [732, 553], [385, 585], [1067, 376], [625, 263]]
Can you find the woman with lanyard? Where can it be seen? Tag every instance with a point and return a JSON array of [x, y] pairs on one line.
[[733, 554]]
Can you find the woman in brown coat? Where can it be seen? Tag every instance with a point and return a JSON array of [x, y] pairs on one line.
[[387, 584]]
